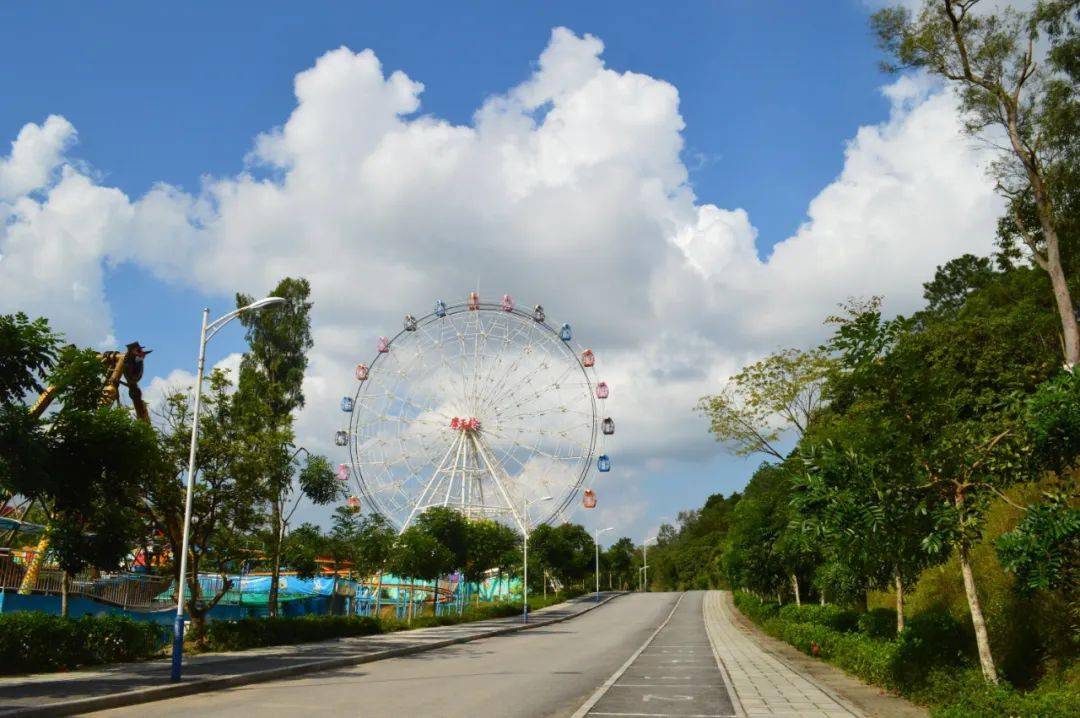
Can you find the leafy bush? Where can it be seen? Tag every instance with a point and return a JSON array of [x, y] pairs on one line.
[[755, 609], [32, 642], [257, 632], [871, 660], [965, 694], [932, 639], [838, 619], [878, 623]]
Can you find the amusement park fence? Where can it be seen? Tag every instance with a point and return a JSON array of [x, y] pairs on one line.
[[123, 590]]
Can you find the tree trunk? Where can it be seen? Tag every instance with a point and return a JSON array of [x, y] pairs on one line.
[[275, 557], [899, 603], [795, 589], [821, 596], [982, 640], [64, 594], [1051, 260], [378, 595]]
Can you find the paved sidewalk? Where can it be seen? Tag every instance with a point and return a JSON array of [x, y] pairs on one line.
[[132, 683], [771, 678]]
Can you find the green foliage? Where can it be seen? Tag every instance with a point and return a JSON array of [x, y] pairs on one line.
[[878, 623], [489, 545], [621, 561], [272, 370], [318, 482], [451, 529], [780, 392], [692, 557], [1044, 549], [27, 352], [1052, 415], [256, 632], [566, 550], [419, 554], [838, 619], [85, 464], [32, 642]]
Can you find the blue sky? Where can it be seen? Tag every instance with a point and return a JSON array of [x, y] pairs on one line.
[[770, 91]]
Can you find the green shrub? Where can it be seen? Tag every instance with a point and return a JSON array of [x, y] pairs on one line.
[[934, 638], [965, 694], [33, 642], [257, 632], [838, 619], [754, 608], [878, 623]]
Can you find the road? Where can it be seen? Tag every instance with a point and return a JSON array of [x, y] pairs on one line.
[[549, 671]]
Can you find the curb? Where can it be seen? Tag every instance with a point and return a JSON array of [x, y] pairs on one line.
[[206, 685]]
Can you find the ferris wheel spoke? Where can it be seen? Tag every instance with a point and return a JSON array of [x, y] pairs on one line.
[[493, 384], [524, 353], [539, 389]]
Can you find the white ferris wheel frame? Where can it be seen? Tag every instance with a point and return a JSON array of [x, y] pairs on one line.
[[469, 453]]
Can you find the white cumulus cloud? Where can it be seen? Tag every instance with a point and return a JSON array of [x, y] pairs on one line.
[[568, 190]]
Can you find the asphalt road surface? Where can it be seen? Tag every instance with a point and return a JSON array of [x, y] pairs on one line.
[[549, 671], [675, 674]]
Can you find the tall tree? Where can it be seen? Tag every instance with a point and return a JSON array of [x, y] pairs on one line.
[[991, 59], [227, 503], [781, 392], [620, 561], [269, 390]]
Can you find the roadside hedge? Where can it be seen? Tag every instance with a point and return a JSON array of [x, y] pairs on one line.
[[34, 642], [258, 632], [838, 619], [932, 661]]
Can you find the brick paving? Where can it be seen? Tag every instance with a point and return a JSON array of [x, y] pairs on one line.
[[764, 684]]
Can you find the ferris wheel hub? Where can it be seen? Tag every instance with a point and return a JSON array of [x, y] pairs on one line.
[[470, 423]]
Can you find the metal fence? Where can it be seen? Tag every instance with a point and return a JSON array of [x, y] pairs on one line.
[[123, 589]]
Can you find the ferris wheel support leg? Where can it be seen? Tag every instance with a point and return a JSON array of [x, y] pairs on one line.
[[428, 485], [453, 471], [479, 446]]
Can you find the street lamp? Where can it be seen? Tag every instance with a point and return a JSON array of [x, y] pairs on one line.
[[525, 554], [207, 333], [645, 560], [596, 543]]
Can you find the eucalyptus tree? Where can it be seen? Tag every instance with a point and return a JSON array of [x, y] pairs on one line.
[[269, 390], [991, 58]]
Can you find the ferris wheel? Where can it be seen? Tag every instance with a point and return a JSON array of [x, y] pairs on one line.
[[483, 408]]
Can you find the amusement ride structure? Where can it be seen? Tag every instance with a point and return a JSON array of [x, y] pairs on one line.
[[480, 407]]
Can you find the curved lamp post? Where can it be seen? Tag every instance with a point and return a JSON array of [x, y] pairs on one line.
[[525, 554], [596, 543], [208, 332], [645, 561]]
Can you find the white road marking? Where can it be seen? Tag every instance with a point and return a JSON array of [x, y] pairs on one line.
[[595, 697]]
